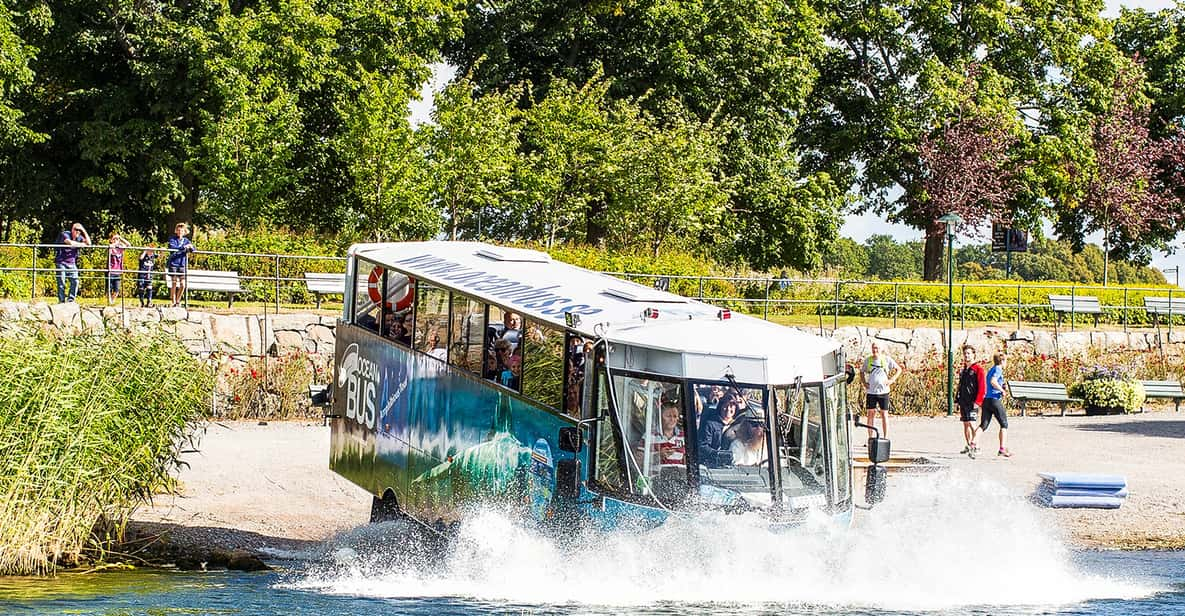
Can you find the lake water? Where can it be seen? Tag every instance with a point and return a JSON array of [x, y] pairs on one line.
[[939, 545]]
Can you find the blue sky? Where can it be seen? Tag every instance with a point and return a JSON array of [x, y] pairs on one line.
[[857, 227]]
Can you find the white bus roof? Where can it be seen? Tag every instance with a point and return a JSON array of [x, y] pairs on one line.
[[544, 289]]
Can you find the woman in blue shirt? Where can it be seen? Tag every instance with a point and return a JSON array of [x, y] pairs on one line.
[[993, 402]]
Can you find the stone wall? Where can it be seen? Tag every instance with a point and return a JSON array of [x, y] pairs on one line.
[[237, 336], [204, 334]]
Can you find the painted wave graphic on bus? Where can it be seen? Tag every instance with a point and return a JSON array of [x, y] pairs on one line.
[[440, 439]]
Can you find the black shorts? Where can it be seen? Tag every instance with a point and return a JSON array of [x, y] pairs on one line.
[[176, 269], [876, 401], [993, 407], [966, 412]]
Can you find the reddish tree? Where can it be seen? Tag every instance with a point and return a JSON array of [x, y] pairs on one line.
[[1124, 195], [968, 167]]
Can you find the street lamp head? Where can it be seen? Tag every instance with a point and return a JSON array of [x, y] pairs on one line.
[[951, 221]]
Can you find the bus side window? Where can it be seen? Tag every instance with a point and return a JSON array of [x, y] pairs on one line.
[[543, 363], [366, 310], [578, 352], [467, 334], [432, 321], [503, 353]]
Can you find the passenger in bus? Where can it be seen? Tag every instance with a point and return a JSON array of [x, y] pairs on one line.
[[511, 322], [747, 435], [405, 328], [503, 366], [391, 326], [713, 449], [574, 383], [669, 440]]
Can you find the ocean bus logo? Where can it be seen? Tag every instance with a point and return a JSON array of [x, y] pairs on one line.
[[359, 377]]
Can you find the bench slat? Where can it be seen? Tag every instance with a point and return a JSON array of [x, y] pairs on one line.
[[1084, 304]]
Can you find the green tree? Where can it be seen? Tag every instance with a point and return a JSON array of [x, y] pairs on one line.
[[893, 70], [387, 166], [847, 257], [472, 152], [888, 260], [744, 65]]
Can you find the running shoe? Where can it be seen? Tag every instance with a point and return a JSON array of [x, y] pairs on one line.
[[966, 450], [971, 452], [1004, 453]]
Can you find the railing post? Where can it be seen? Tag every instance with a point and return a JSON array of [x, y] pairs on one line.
[[33, 293], [701, 289], [1018, 307], [835, 322], [963, 306], [1072, 294], [277, 285], [765, 309], [896, 302], [1170, 313], [1125, 310]]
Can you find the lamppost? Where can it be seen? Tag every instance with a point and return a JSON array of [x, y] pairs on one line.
[[1176, 274], [951, 221]]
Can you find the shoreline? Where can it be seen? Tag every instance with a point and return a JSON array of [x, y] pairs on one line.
[[256, 489]]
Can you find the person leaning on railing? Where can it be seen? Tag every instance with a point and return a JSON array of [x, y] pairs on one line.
[[179, 249], [66, 261]]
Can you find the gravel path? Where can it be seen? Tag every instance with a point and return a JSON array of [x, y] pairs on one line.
[[1149, 449], [251, 486]]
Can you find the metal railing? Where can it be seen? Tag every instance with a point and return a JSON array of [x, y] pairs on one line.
[[278, 279], [265, 277]]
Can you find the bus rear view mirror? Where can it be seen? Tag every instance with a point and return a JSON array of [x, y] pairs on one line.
[[571, 440], [878, 450]]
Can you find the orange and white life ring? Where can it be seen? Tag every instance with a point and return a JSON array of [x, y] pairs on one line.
[[400, 296]]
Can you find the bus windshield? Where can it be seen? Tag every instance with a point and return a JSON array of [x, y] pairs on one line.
[[732, 444]]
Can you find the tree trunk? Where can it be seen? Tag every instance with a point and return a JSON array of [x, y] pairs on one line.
[[595, 230], [185, 207], [935, 247]]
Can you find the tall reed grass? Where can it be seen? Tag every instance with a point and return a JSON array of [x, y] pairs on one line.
[[89, 428]]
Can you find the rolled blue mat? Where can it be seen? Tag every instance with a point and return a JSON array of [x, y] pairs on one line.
[[1120, 493], [1085, 480], [1082, 502]]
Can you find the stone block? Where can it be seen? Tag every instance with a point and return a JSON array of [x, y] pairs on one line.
[[292, 322], [64, 315], [143, 315], [322, 337], [187, 331], [37, 312], [1022, 335], [10, 311], [1044, 344], [1139, 342], [1019, 346], [289, 341], [926, 346], [90, 322], [1073, 344], [172, 314], [235, 334], [898, 335]]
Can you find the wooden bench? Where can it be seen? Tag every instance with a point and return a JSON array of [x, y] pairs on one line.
[[1165, 389], [1075, 304], [1157, 306], [1024, 391], [325, 284], [211, 280]]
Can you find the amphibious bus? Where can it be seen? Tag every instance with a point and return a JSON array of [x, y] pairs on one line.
[[468, 374]]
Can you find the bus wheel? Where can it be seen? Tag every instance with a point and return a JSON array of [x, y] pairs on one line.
[[385, 509]]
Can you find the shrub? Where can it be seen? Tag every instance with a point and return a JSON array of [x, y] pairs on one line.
[[90, 426], [270, 388], [1104, 388]]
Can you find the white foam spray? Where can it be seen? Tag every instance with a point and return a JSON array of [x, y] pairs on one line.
[[938, 541]]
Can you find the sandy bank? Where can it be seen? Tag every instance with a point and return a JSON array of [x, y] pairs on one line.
[[251, 486]]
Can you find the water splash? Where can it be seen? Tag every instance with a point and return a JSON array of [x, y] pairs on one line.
[[937, 542]]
